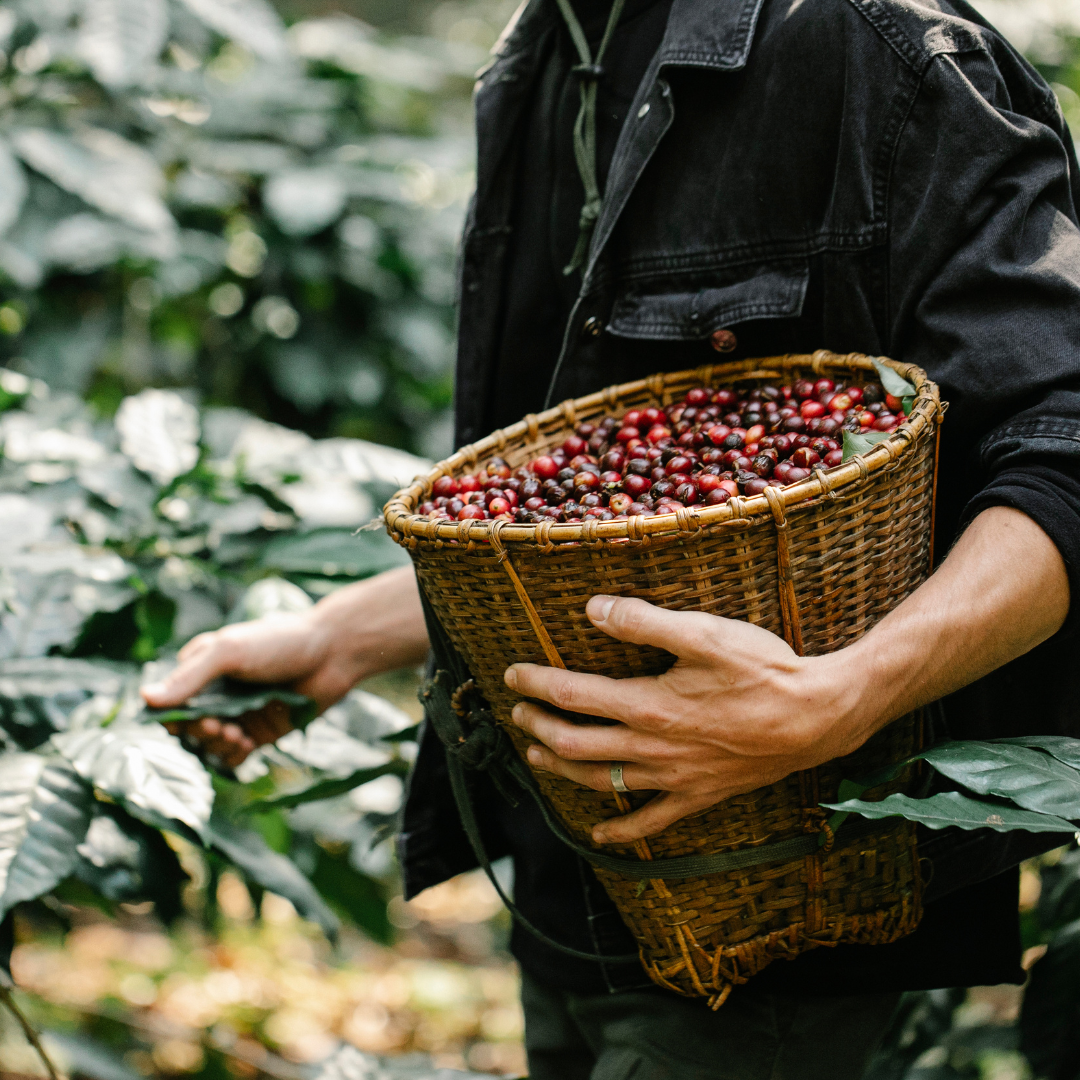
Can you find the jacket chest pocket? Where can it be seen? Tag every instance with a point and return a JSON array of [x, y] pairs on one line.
[[775, 290]]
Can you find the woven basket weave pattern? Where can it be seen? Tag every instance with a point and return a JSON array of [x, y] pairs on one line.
[[816, 566]]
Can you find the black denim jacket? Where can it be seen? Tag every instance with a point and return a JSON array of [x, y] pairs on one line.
[[880, 176]]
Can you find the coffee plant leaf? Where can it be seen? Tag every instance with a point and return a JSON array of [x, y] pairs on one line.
[[44, 815], [1065, 750], [104, 169], [12, 187], [127, 861], [1030, 778], [230, 698], [330, 789], [251, 23], [950, 808], [147, 770], [1048, 1031], [246, 849], [333, 553], [120, 39], [159, 432], [354, 893], [860, 443], [893, 382], [46, 691]]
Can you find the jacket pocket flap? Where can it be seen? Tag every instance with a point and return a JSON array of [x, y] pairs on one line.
[[775, 291]]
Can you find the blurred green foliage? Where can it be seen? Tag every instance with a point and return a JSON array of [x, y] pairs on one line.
[[193, 195]]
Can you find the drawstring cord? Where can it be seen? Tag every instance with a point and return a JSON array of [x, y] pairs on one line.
[[589, 71]]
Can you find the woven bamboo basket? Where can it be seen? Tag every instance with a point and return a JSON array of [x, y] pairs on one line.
[[818, 562]]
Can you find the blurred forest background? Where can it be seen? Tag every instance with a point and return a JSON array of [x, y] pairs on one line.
[[227, 244]]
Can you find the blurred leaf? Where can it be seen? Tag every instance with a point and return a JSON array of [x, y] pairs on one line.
[[1050, 1015], [87, 1057], [893, 382], [147, 770], [858, 443], [304, 201], [12, 187], [950, 808], [251, 855], [159, 432], [360, 897], [252, 23], [44, 815], [133, 632], [38, 696], [333, 553], [330, 789], [1059, 896], [102, 168], [409, 734], [230, 698], [118, 39], [125, 860]]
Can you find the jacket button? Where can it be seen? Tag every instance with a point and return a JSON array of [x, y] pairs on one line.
[[724, 341], [591, 327]]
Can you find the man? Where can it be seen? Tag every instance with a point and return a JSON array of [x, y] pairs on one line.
[[881, 176]]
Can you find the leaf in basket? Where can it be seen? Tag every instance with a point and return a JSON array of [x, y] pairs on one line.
[[857, 443], [894, 383], [908, 403], [1031, 779], [329, 789], [950, 808], [230, 698]]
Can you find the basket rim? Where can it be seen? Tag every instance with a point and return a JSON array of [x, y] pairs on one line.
[[407, 527]]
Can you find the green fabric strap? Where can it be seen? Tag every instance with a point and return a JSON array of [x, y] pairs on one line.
[[588, 71]]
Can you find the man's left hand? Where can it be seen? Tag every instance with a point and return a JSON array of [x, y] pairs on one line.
[[738, 710]]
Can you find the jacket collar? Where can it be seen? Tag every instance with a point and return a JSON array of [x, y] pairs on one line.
[[710, 33]]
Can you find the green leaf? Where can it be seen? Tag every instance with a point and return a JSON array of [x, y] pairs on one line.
[[908, 404], [39, 695], [230, 698], [125, 860], [44, 815], [334, 553], [249, 853], [361, 898], [409, 734], [856, 442], [330, 789], [147, 770], [951, 808], [893, 382], [1033, 780], [1065, 750]]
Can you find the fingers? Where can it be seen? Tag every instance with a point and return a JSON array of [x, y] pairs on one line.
[[591, 774], [654, 816], [581, 742], [202, 660], [226, 741], [683, 633], [629, 700]]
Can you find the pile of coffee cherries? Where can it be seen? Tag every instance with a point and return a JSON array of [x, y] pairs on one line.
[[697, 452]]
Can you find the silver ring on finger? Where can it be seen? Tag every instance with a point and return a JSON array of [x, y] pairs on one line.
[[617, 782]]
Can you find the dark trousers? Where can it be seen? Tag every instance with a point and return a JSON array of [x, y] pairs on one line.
[[654, 1035]]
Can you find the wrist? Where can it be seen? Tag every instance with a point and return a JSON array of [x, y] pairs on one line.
[[850, 707]]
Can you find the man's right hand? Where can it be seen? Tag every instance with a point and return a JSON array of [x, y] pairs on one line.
[[359, 631]]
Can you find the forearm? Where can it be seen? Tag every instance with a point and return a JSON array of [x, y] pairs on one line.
[[378, 624], [1002, 590]]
